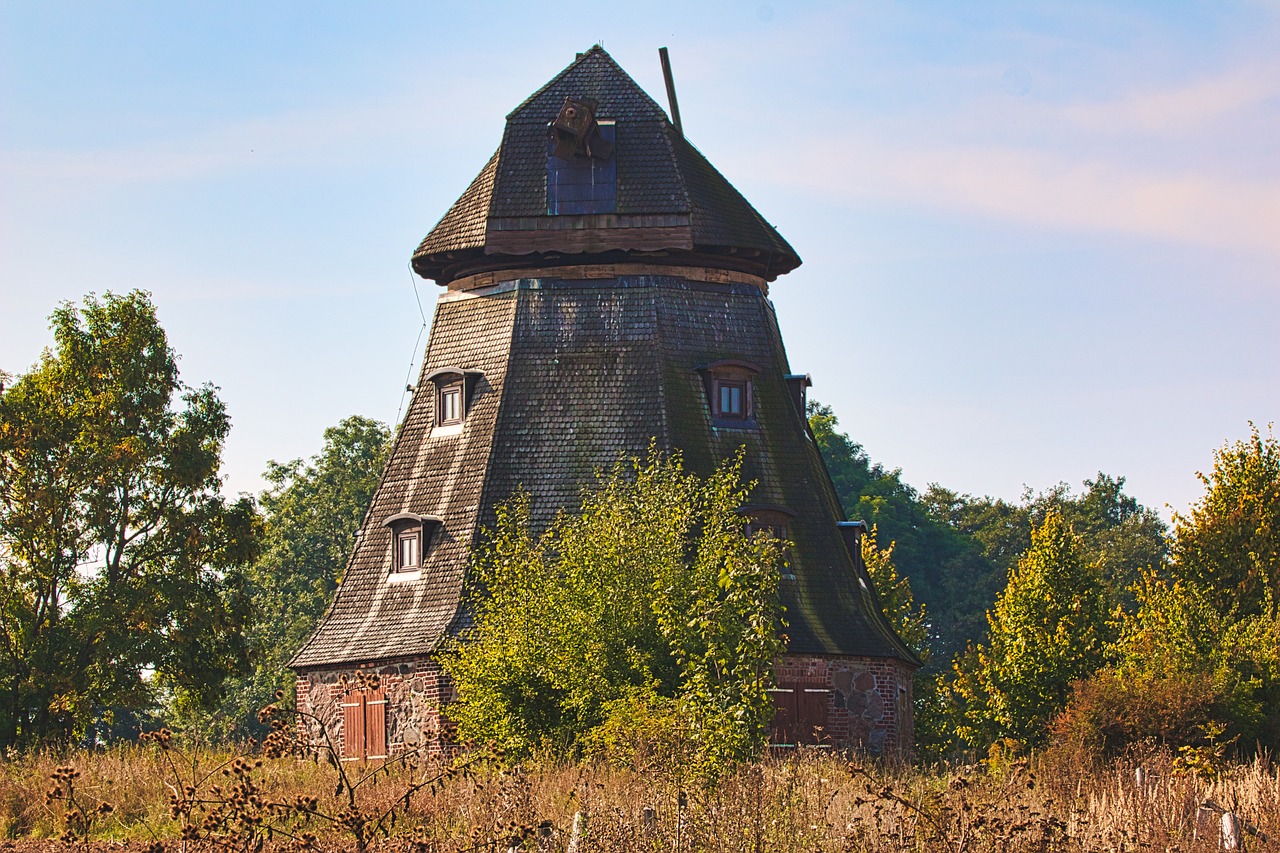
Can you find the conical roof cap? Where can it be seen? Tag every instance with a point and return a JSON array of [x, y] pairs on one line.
[[655, 195]]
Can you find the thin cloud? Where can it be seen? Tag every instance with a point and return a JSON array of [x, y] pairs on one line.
[[301, 138], [1044, 188], [1190, 106]]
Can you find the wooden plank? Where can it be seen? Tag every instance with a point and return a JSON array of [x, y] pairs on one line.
[[375, 724], [353, 727], [813, 704], [784, 716]]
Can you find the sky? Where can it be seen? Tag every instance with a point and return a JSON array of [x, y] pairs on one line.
[[1040, 240]]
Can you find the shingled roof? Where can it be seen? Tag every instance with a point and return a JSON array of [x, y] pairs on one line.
[[627, 349], [670, 199]]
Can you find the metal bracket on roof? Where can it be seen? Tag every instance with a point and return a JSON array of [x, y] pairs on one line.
[[576, 132]]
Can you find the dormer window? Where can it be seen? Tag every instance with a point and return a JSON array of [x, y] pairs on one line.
[[768, 517], [730, 388], [731, 399], [411, 536], [454, 389], [408, 549], [449, 404]]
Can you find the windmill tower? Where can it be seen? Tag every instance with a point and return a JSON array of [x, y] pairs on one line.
[[605, 287]]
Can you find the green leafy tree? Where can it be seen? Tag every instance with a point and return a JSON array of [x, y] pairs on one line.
[[118, 556], [1048, 629], [1229, 542], [311, 513], [651, 597], [949, 572]]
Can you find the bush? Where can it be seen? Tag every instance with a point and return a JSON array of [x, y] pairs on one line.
[[1110, 711]]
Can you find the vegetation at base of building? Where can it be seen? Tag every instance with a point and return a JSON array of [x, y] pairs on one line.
[[650, 610], [118, 556], [804, 800]]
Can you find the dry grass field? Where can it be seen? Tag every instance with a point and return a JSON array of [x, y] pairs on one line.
[[807, 801]]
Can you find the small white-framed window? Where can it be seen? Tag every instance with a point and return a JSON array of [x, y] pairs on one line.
[[454, 389], [411, 537], [409, 549], [449, 404]]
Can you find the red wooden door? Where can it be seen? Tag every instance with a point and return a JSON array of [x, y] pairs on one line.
[[784, 716], [364, 725], [812, 714]]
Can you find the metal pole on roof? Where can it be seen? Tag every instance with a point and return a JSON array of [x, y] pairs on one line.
[[671, 89]]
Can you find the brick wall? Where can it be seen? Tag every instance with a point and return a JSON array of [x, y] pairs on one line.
[[870, 705], [415, 690]]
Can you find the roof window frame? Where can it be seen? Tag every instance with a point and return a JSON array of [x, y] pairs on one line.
[[724, 375], [451, 380]]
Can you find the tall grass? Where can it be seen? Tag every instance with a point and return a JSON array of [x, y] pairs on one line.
[[807, 801]]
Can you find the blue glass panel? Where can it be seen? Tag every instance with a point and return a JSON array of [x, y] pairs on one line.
[[583, 184]]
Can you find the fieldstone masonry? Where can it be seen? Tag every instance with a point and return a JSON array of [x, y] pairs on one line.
[[870, 706], [415, 692]]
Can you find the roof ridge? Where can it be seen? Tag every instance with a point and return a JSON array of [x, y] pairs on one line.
[[581, 57], [595, 51]]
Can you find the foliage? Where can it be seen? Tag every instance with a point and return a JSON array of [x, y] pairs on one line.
[[958, 550], [1110, 711], [894, 591], [1047, 629], [652, 590], [118, 556], [1229, 542], [311, 514], [1199, 650]]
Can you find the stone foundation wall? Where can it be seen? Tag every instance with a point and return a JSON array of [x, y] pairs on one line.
[[871, 705], [415, 691]]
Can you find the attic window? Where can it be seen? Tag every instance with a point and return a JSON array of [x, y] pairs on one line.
[[454, 388], [411, 536], [774, 520], [582, 172], [730, 389], [449, 403]]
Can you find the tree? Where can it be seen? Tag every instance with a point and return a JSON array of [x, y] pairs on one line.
[[651, 596], [894, 591], [118, 555], [1047, 630], [1229, 542], [948, 570], [311, 513]]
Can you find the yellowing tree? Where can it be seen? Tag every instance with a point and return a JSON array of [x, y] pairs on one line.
[[1047, 629], [1229, 543]]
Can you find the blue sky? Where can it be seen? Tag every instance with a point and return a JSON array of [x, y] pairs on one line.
[[1040, 240]]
